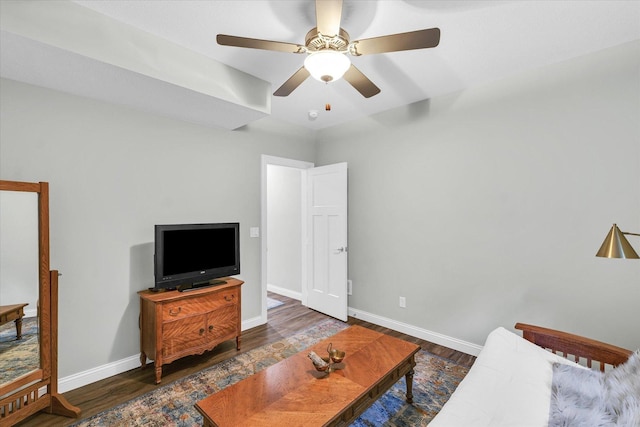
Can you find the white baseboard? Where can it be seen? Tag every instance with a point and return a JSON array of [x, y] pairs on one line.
[[286, 292], [414, 331], [89, 376], [251, 323]]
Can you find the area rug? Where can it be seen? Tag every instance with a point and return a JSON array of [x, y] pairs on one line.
[[172, 405], [18, 357], [273, 303]]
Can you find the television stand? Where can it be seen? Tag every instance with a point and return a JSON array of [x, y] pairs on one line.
[[194, 286], [175, 324]]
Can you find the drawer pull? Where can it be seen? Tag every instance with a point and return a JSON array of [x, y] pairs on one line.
[[201, 331], [229, 297], [173, 312], [210, 328]]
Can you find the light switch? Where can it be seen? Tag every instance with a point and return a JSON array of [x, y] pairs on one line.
[[254, 232]]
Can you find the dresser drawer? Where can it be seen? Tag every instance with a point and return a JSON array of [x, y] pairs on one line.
[[198, 305]]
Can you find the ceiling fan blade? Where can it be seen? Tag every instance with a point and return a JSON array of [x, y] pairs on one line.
[[293, 82], [396, 42], [328, 17], [227, 40], [361, 82]]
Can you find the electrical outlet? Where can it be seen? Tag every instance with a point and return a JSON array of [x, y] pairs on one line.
[[349, 287], [403, 302]]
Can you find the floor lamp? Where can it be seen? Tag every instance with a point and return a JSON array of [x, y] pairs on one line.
[[615, 245]]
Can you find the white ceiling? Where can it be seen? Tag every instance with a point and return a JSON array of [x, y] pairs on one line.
[[481, 41]]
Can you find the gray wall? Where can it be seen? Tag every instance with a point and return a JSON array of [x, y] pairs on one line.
[[19, 258], [113, 174], [487, 207]]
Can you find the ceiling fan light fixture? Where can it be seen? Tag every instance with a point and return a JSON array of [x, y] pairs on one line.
[[327, 65]]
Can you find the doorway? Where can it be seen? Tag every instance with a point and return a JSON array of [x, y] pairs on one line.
[[283, 209], [304, 249]]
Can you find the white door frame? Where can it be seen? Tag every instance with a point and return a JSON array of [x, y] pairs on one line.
[[279, 161]]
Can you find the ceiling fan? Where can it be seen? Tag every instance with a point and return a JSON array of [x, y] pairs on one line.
[[327, 45]]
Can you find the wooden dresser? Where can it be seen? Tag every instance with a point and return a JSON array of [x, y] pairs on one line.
[[176, 324]]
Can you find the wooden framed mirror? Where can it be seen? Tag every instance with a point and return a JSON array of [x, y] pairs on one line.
[[28, 306]]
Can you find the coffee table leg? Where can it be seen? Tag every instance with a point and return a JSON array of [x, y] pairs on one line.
[[19, 328], [409, 380]]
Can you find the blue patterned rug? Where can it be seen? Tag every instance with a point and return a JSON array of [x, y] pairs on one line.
[[18, 357], [172, 404]]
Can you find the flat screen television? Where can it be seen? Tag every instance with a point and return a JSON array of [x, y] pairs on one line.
[[189, 256]]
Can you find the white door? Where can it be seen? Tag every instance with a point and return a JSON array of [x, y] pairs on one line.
[[326, 289]]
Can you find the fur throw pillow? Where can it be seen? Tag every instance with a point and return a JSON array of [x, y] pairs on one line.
[[584, 397]]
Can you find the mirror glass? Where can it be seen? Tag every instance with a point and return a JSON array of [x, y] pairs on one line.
[[19, 267]]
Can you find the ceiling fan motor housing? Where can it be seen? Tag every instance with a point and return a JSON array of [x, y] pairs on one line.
[[314, 41]]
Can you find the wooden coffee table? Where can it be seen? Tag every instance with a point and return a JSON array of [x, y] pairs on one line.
[[292, 393], [13, 312]]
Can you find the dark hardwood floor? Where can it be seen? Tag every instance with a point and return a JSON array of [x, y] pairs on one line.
[[284, 321]]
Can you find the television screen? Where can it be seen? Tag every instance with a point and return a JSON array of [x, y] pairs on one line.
[[189, 255]]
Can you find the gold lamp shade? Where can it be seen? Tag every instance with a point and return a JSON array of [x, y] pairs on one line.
[[617, 246]]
